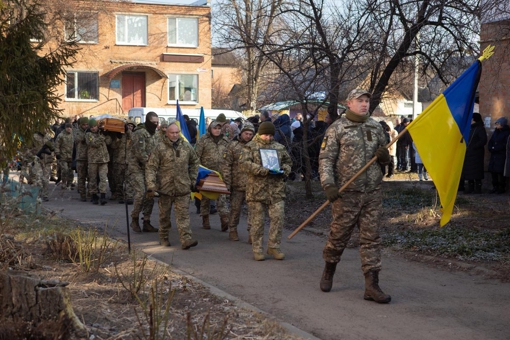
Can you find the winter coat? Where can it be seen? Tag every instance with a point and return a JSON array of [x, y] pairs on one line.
[[140, 148], [475, 152], [497, 148], [417, 158], [234, 178], [210, 150], [64, 146], [283, 130], [262, 186], [81, 145], [97, 152], [507, 162], [172, 168]]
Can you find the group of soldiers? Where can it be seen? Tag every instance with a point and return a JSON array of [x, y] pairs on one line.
[[160, 162]]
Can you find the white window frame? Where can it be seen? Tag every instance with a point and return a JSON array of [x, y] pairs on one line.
[[177, 43], [77, 17], [125, 40], [182, 100], [76, 86]]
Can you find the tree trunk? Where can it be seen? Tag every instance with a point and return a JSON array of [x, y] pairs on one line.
[[31, 300]]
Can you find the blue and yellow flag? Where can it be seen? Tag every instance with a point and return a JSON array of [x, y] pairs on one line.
[[202, 128], [441, 132], [181, 122], [202, 174]]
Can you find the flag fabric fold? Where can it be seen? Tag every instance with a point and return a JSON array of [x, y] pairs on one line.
[[181, 122], [202, 129], [441, 132], [202, 173]]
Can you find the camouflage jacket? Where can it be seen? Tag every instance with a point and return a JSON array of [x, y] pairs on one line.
[[346, 148], [233, 176], [172, 168], [97, 152], [81, 145], [64, 146], [211, 153], [262, 186], [141, 147], [119, 148], [37, 144]]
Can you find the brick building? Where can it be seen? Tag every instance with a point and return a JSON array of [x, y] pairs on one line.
[[138, 53]]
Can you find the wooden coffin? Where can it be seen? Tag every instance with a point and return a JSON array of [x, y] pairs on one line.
[[213, 183], [113, 124]]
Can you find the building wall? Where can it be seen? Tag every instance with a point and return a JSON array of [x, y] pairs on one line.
[[106, 56], [223, 80]]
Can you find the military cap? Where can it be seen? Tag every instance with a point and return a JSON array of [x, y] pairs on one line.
[[356, 93]]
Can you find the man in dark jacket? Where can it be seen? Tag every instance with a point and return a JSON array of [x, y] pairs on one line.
[[192, 129], [497, 148], [283, 132], [475, 151]]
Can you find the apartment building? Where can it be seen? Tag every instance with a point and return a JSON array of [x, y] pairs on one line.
[[137, 53]]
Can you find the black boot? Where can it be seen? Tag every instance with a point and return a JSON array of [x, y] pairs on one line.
[[103, 199], [147, 227], [95, 199], [327, 276], [372, 290], [478, 186], [471, 187]]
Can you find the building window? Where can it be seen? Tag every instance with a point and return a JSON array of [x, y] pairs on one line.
[[132, 29], [183, 32], [183, 87], [82, 86], [82, 28]]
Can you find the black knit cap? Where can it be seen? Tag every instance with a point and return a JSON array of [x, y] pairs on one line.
[[266, 128]]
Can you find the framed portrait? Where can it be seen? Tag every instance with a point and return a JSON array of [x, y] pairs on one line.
[[269, 159]]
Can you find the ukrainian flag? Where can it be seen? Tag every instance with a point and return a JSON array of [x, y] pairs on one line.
[[202, 129], [441, 132], [202, 174], [181, 122]]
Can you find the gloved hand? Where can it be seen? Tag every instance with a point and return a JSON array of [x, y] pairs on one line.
[[39, 155], [193, 188], [58, 157], [332, 193], [150, 193], [383, 155], [276, 172]]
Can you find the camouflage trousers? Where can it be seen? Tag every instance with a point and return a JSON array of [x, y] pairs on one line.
[[363, 210], [98, 170], [236, 204], [256, 218], [221, 205], [40, 176], [67, 173], [121, 184], [82, 171], [141, 203], [181, 209]]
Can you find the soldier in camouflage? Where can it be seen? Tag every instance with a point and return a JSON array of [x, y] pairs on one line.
[[81, 157], [64, 152], [171, 171], [141, 148], [265, 189], [235, 178], [120, 152], [350, 143], [210, 149], [97, 158], [42, 149]]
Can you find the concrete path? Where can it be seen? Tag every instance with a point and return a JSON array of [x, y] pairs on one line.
[[427, 303]]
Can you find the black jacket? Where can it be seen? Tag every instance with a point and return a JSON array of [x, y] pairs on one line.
[[497, 148], [474, 161]]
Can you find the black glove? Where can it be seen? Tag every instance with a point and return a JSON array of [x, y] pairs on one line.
[[332, 193], [39, 154], [383, 155], [193, 188], [58, 157]]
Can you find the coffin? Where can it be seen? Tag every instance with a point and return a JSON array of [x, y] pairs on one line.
[[112, 124], [213, 183]]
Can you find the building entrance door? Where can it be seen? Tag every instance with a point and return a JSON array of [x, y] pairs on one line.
[[133, 90]]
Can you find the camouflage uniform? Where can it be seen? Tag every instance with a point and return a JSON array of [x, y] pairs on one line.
[[41, 168], [120, 147], [210, 151], [98, 158], [141, 147], [235, 179], [171, 171], [348, 145], [64, 148], [264, 190], [81, 161]]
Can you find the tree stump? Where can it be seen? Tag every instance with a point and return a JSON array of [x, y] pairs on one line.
[[25, 299]]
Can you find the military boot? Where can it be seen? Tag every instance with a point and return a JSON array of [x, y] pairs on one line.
[[478, 186], [148, 228], [233, 236], [135, 225], [249, 239], [188, 244], [258, 256], [205, 222], [95, 199], [83, 198], [470, 188], [164, 242], [103, 199], [276, 253], [372, 290], [327, 276], [224, 223]]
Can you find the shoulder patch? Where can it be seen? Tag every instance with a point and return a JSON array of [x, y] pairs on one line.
[[324, 143]]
